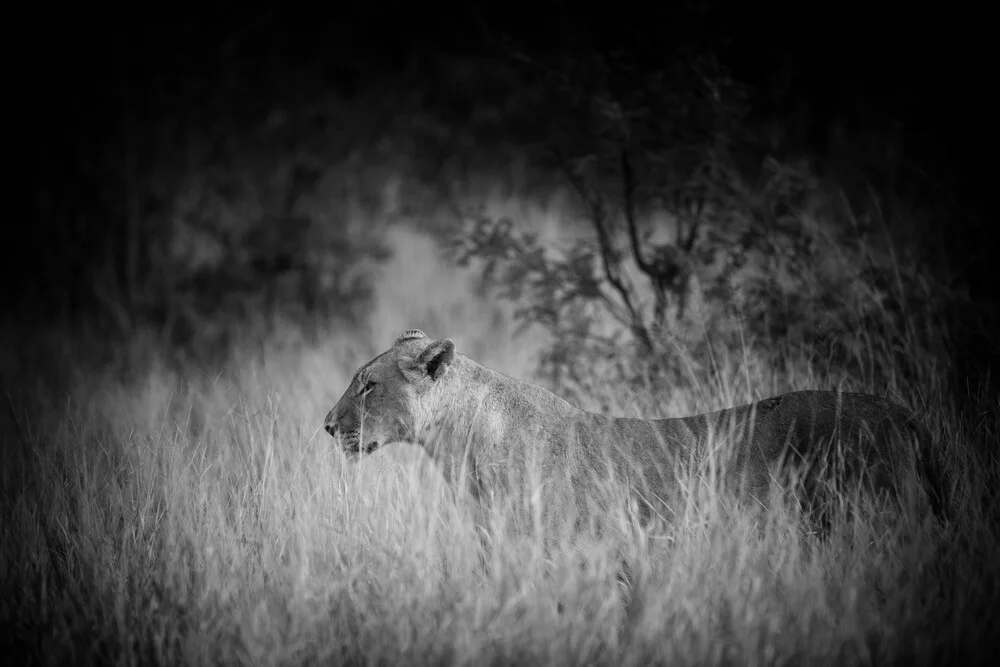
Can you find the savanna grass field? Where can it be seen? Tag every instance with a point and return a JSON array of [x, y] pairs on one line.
[[169, 495]]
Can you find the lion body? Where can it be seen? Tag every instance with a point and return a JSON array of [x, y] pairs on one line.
[[504, 437]]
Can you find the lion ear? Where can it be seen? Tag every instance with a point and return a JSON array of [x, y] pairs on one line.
[[431, 364]]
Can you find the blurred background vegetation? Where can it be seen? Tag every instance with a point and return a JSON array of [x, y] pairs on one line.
[[205, 178]]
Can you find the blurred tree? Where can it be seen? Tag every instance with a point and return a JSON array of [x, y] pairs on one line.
[[687, 249]]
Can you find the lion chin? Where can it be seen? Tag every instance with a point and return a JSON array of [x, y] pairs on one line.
[[498, 434]]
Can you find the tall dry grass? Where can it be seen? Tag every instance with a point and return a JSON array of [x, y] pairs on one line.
[[185, 515]]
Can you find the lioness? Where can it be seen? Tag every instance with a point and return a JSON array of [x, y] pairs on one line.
[[499, 433]]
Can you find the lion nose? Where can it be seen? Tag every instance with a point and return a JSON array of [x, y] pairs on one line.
[[330, 423]]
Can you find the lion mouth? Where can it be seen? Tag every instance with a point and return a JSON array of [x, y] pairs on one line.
[[359, 449]]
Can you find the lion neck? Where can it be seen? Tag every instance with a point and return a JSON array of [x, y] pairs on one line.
[[458, 404], [478, 406]]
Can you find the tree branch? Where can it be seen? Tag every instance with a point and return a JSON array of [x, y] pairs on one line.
[[688, 240], [608, 261], [628, 196]]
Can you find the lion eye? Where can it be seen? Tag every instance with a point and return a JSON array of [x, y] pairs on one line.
[[367, 388]]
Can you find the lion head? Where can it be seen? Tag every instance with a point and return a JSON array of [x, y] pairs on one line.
[[385, 401]]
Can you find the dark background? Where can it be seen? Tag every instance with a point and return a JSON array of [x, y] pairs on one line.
[[93, 81]]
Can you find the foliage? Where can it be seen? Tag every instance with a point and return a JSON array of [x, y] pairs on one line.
[[684, 245], [211, 200]]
